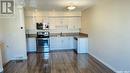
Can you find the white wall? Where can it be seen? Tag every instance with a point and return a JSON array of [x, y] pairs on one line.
[[84, 21], [13, 38], [108, 25]]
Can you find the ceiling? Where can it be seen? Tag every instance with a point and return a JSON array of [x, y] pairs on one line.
[[58, 5]]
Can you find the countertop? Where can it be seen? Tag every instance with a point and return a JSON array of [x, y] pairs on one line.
[[82, 35], [78, 35], [31, 35]]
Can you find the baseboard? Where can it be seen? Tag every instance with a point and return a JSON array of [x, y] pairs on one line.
[[63, 50], [122, 71], [109, 66], [14, 60], [31, 52], [19, 58]]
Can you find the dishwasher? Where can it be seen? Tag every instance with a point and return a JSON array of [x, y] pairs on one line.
[[75, 44]]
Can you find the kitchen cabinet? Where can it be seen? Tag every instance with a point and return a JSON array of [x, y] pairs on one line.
[[82, 45], [64, 23], [55, 43], [74, 23], [54, 22], [67, 42], [61, 43], [31, 44]]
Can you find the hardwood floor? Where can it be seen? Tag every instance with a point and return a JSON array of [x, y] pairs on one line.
[[57, 62]]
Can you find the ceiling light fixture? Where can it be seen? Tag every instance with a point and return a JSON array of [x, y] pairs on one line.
[[71, 7]]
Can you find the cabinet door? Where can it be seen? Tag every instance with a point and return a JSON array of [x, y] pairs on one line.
[[77, 22], [55, 43], [71, 40], [74, 22], [52, 23], [31, 44], [83, 45], [67, 42], [65, 22], [61, 43]]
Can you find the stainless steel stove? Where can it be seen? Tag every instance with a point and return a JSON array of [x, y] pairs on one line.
[[43, 41]]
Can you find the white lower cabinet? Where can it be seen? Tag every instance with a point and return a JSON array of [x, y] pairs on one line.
[[31, 44], [82, 45], [55, 43], [67, 42], [61, 43]]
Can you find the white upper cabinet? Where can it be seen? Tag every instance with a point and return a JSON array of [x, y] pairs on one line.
[[65, 23], [52, 23], [74, 22], [56, 24]]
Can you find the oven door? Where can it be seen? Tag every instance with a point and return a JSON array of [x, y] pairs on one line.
[[43, 45]]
